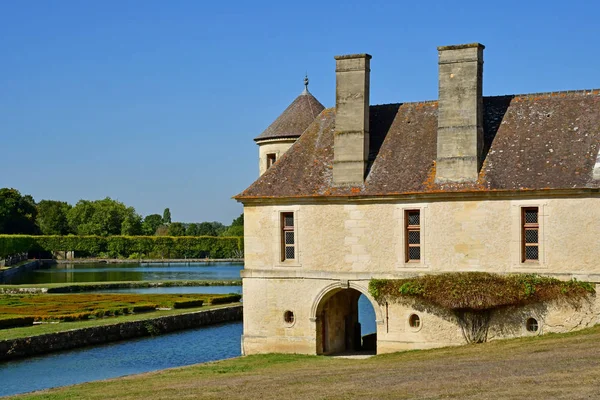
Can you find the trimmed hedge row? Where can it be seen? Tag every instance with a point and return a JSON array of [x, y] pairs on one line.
[[188, 303], [14, 322], [231, 298], [126, 246]]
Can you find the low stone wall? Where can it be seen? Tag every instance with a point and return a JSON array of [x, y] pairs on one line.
[[35, 345], [6, 274]]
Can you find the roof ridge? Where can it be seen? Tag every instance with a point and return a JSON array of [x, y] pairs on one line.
[[552, 93]]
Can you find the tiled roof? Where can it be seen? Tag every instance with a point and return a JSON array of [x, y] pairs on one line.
[[535, 141], [295, 119]]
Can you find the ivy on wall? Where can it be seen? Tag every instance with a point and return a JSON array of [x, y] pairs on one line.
[[473, 296]]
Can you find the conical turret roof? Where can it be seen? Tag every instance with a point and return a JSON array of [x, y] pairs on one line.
[[295, 119]]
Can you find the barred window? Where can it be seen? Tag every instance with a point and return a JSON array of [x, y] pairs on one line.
[[271, 158], [530, 241], [288, 237], [412, 235]]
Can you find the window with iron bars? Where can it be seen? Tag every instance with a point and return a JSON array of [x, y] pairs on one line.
[[530, 232], [412, 235], [288, 237]]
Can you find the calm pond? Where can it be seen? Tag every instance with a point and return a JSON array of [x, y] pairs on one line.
[[140, 355], [210, 343], [98, 272]]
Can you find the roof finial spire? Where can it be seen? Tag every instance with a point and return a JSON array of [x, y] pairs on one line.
[[305, 84]]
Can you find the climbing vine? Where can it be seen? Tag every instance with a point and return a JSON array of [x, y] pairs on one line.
[[473, 296]]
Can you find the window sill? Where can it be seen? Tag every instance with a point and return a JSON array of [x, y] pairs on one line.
[[531, 264], [413, 264], [288, 264]]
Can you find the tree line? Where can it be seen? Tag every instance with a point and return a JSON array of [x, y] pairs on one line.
[[20, 214]]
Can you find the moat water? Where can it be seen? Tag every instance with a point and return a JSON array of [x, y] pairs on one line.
[[140, 355], [112, 360], [98, 272]]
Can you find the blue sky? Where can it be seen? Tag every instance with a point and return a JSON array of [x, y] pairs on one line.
[[156, 103]]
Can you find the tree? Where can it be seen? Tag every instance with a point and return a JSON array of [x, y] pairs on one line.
[[162, 230], [52, 217], [239, 221], [176, 229], [166, 216], [151, 224], [236, 228], [102, 217], [17, 213], [132, 224], [206, 229], [192, 230], [218, 227]]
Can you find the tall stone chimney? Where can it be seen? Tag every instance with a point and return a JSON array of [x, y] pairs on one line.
[[460, 113], [351, 137]]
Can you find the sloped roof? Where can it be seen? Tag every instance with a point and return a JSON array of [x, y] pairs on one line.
[[531, 142], [295, 119]]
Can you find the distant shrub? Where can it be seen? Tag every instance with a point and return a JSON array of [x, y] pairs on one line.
[[188, 303], [230, 298], [143, 308], [72, 317], [14, 322]]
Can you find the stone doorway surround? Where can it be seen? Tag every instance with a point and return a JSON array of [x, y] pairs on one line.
[[334, 313]]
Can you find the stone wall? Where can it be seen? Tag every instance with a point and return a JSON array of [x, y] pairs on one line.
[[351, 241], [346, 245], [273, 146], [266, 300], [30, 346], [8, 273]]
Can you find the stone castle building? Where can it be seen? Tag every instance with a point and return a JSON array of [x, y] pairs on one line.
[[504, 184]]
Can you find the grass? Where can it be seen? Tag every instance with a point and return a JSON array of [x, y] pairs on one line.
[[15, 333], [69, 307], [565, 366]]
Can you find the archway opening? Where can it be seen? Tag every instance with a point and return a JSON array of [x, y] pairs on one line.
[[346, 323]]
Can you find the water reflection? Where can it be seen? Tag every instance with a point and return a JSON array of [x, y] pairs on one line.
[[96, 272]]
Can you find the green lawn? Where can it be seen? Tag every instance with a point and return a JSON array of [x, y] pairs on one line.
[[549, 367]]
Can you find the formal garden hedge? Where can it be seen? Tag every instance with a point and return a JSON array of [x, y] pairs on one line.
[[23, 310], [126, 246]]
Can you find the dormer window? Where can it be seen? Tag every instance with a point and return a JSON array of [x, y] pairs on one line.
[[271, 158]]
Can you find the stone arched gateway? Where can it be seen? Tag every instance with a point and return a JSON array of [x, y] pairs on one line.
[[334, 313]]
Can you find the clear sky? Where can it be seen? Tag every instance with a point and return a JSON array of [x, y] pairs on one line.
[[156, 103]]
